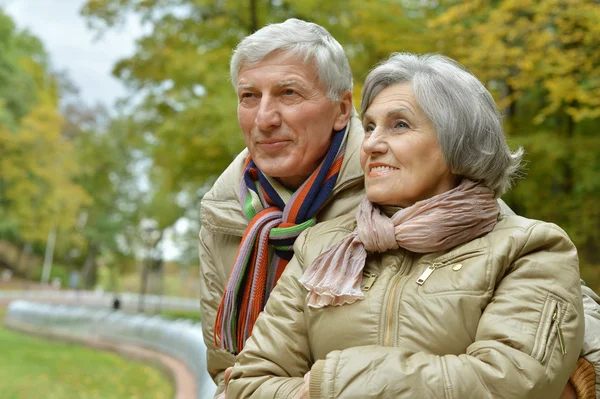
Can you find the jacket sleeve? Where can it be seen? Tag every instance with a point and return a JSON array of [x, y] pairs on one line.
[[212, 280], [586, 377], [516, 351], [277, 355]]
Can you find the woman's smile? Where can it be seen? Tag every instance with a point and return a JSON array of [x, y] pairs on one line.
[[380, 169]]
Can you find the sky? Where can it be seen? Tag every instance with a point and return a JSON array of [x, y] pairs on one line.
[[74, 47]]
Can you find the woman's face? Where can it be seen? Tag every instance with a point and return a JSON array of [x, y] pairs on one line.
[[400, 154]]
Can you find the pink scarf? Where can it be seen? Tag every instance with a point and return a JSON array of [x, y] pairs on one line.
[[439, 223]]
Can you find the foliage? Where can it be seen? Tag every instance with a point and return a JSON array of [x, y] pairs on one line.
[[37, 165], [106, 160], [64, 166], [58, 272], [527, 45], [19, 52]]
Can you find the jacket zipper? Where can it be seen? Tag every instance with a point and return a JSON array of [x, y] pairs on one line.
[[561, 339], [390, 311], [433, 267], [395, 287], [428, 272], [371, 277]]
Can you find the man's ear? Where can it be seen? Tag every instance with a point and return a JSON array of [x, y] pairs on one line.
[[344, 108]]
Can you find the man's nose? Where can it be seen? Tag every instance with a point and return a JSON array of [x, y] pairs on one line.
[[268, 115]]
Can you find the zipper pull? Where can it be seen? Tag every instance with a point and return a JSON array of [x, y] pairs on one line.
[[430, 269], [371, 277], [561, 339]]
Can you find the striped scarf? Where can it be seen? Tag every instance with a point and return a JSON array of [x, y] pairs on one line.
[[276, 218]]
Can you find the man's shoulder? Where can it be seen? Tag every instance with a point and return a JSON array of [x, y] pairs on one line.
[[220, 209], [226, 186]]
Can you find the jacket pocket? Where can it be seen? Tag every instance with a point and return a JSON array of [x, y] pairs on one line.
[[459, 273], [549, 332]]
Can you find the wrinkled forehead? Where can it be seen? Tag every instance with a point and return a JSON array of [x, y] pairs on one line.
[[298, 54], [279, 68]]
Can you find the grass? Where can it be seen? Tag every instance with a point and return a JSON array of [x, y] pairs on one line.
[[181, 314], [31, 367], [173, 285]]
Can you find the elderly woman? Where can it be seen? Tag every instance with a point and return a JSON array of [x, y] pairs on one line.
[[430, 291]]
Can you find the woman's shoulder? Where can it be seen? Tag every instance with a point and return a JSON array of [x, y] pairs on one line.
[[317, 239], [513, 224], [523, 235]]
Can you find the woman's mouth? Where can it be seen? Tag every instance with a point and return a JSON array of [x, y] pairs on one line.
[[380, 170]]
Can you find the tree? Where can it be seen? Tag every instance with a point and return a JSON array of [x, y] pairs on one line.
[[541, 59], [37, 164]]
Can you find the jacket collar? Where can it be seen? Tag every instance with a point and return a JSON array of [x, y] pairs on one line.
[[220, 209]]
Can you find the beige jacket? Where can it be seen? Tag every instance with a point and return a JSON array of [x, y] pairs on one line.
[[223, 226], [500, 317]]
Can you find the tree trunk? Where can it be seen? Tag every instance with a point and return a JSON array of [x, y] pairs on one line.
[[253, 16], [152, 256], [568, 167], [510, 111], [23, 261], [89, 271], [144, 283], [49, 255], [158, 271]]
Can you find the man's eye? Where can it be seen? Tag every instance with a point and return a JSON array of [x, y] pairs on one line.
[[247, 95], [289, 92], [369, 128]]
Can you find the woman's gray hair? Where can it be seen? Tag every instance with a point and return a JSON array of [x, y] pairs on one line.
[[465, 116], [309, 41]]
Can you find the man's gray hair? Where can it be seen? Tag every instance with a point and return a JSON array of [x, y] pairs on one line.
[[309, 41], [465, 116]]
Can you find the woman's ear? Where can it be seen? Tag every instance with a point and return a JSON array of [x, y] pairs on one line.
[[344, 111]]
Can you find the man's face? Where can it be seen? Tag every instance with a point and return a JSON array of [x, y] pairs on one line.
[[286, 117]]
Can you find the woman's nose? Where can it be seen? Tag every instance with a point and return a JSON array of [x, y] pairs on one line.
[[268, 115], [374, 142]]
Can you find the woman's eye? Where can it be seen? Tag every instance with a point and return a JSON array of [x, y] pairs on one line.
[[400, 125], [289, 92], [369, 128]]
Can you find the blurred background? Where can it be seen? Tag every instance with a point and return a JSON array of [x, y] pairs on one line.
[[116, 116], [101, 176]]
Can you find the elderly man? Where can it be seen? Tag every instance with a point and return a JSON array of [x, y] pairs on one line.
[[301, 167], [294, 87]]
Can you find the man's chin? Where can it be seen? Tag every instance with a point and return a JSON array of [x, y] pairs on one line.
[[273, 167]]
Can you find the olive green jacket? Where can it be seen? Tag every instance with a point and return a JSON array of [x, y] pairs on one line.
[[499, 317]]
